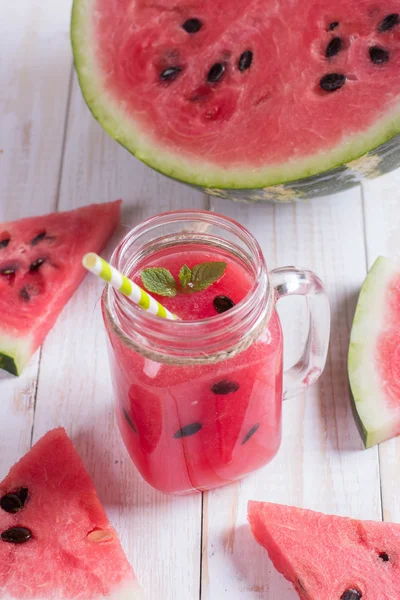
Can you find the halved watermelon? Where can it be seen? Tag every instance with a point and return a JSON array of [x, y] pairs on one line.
[[328, 557], [40, 268], [245, 95], [374, 354], [56, 542]]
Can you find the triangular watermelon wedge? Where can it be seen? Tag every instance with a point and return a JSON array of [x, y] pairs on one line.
[[40, 268], [72, 552], [328, 557]]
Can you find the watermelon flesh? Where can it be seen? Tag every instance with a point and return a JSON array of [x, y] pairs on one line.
[[327, 557], [73, 552], [40, 268], [248, 96], [374, 360]]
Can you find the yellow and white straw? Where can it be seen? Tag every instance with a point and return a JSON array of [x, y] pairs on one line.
[[98, 266]]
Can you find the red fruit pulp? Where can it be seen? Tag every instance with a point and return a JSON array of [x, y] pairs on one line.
[[191, 427]]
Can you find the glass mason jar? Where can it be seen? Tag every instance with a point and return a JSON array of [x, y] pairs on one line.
[[198, 402]]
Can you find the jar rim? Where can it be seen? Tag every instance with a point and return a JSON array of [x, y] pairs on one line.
[[258, 299]]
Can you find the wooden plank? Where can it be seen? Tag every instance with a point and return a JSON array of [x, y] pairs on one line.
[[321, 464], [159, 533], [34, 82], [382, 227]]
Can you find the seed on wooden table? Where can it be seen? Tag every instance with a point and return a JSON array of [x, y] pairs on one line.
[[334, 47], [389, 22], [16, 535], [192, 25], [170, 74], [245, 60], [332, 82], [188, 430], [379, 56], [216, 72]]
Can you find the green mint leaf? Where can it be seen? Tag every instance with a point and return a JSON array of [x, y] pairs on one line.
[[159, 281], [185, 275], [205, 274]]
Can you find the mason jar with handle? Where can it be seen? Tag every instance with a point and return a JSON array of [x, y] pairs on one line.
[[198, 400]]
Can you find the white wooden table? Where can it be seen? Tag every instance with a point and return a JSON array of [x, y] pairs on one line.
[[54, 156]]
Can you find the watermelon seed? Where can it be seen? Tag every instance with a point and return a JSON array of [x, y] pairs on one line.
[[4, 243], [333, 25], [16, 535], [130, 422], [192, 25], [379, 56], [223, 303], [250, 434], [35, 266], [245, 60], [332, 82], [24, 294], [188, 430], [334, 47], [99, 535], [216, 72], [22, 494], [8, 271], [170, 74], [384, 556], [224, 387], [389, 22], [39, 238], [11, 503], [351, 594]]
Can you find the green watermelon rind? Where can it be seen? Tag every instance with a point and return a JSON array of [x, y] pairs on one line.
[[123, 129], [375, 420], [15, 353]]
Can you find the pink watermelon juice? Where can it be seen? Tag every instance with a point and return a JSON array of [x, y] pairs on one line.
[[199, 399], [192, 427]]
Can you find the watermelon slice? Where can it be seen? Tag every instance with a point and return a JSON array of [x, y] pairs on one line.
[[40, 268], [246, 95], [55, 539], [328, 557], [374, 354]]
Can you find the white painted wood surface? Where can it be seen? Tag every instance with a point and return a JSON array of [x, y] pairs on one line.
[[53, 155]]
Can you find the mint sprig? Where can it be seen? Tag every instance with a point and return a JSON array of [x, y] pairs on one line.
[[161, 281]]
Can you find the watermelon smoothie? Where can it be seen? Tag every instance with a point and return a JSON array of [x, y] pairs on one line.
[[198, 400]]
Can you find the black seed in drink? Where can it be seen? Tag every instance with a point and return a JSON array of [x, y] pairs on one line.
[[16, 535], [389, 22], [24, 294], [384, 556], [379, 56], [351, 594], [224, 387], [332, 82], [223, 303], [11, 503], [192, 25], [129, 421], [334, 47], [250, 433], [170, 74], [216, 72], [39, 238], [35, 266], [245, 60], [333, 25], [4, 243], [188, 430]]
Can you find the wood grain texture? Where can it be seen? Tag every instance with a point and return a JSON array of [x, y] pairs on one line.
[[35, 67], [382, 229], [321, 464]]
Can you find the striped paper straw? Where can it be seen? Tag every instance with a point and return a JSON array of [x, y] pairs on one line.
[[97, 265]]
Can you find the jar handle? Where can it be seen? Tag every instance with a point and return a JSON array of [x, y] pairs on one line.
[[289, 281]]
